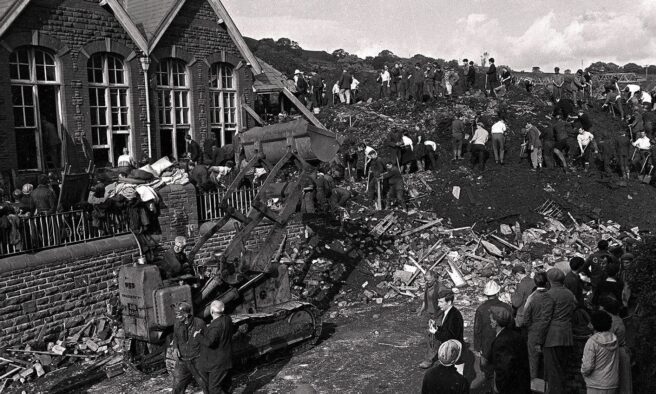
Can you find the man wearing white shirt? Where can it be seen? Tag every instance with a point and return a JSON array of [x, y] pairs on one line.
[[585, 139], [643, 146], [632, 89], [384, 79], [498, 138], [431, 153], [478, 151], [354, 88]]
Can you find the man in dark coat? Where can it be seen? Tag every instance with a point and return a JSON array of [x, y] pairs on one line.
[[187, 348], [484, 332], [492, 80], [45, 200], [444, 378], [216, 349], [193, 149], [508, 355], [452, 326], [595, 265], [471, 75], [536, 317], [524, 289], [395, 186], [559, 341], [198, 175], [572, 280], [345, 87]]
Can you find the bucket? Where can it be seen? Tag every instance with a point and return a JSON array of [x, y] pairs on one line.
[[316, 110]]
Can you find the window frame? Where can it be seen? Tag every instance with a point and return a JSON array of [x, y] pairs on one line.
[[218, 91], [33, 82], [173, 93], [108, 87]]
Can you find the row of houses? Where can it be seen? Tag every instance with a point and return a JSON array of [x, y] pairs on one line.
[[86, 78]]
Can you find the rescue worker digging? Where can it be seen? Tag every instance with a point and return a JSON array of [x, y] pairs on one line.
[[395, 186]]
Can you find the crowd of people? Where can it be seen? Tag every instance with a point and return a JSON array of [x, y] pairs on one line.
[[402, 82], [532, 338]]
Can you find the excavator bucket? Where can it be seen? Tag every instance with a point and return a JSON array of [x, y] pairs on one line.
[[312, 143]]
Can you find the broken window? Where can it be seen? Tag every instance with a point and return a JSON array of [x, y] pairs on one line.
[[173, 106], [223, 102], [35, 101], [109, 108]]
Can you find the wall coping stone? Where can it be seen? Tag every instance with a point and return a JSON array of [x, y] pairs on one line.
[[67, 253]]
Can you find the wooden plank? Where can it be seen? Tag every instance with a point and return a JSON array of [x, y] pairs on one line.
[[306, 112], [503, 241], [252, 113], [483, 259], [420, 228]]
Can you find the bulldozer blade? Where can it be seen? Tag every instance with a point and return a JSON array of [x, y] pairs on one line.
[[324, 143]]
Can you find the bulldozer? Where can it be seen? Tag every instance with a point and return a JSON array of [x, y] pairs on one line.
[[253, 285]]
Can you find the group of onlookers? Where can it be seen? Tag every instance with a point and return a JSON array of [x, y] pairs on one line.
[[530, 342]]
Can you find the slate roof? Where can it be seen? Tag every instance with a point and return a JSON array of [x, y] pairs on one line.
[[271, 80], [148, 15]]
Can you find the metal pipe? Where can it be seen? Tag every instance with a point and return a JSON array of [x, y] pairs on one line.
[[145, 65]]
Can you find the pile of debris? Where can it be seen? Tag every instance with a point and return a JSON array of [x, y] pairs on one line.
[[98, 344], [392, 250]]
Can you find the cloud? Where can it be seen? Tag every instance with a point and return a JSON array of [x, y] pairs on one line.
[[599, 35], [620, 37]]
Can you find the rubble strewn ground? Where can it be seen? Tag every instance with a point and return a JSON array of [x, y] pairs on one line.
[[362, 272]]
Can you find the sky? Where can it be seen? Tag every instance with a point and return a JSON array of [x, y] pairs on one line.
[[519, 33]]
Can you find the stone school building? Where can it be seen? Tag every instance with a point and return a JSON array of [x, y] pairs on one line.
[[84, 79]]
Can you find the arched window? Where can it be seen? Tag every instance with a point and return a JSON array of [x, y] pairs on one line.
[[109, 108], [223, 102], [173, 105], [35, 101]]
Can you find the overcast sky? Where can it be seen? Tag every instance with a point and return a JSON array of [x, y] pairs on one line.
[[519, 33]]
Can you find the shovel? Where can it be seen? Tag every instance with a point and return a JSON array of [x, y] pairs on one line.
[[641, 177], [647, 178]]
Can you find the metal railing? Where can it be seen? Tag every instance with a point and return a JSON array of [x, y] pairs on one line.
[[49, 231], [209, 204]]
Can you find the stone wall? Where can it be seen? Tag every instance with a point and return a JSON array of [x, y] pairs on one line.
[[61, 287]]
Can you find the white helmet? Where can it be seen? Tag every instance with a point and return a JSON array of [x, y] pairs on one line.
[[491, 288]]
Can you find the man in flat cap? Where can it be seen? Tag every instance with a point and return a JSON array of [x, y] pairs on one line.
[[559, 340], [508, 355], [186, 348]]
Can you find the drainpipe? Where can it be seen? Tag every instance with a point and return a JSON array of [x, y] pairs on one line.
[[145, 65]]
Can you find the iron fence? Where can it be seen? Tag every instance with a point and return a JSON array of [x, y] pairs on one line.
[[22, 235], [209, 204]]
